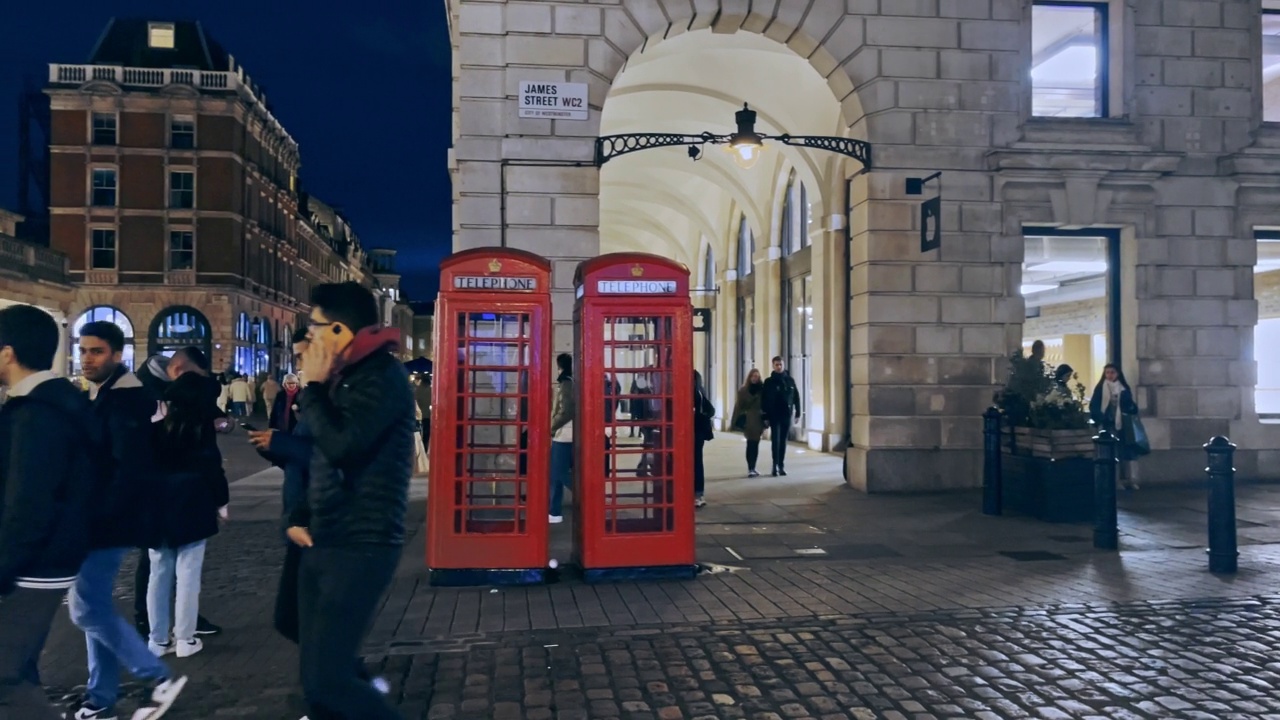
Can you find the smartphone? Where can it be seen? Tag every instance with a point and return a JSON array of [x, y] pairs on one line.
[[248, 427]]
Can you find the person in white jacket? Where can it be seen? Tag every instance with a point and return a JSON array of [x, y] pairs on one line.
[[241, 397], [561, 437]]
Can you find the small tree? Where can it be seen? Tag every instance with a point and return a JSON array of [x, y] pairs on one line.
[[1033, 398]]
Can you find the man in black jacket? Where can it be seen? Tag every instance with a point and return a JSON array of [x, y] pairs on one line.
[[358, 407], [45, 476], [781, 403], [120, 520]]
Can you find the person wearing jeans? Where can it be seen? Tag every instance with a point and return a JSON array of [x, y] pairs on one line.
[[562, 411], [44, 501], [192, 494], [119, 521]]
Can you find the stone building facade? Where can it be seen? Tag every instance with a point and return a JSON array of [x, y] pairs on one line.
[[1153, 143], [174, 193]]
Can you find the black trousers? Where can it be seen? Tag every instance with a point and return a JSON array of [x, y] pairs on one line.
[[753, 453], [779, 429], [339, 589], [699, 468], [286, 612], [25, 618]]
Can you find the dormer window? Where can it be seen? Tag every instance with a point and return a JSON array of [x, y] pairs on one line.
[[160, 35]]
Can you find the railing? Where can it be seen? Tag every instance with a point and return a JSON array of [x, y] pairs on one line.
[[38, 262], [180, 277], [143, 77]]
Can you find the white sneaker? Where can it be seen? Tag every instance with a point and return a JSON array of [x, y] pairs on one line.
[[699, 502], [163, 695], [187, 648], [381, 685], [555, 519], [158, 649]]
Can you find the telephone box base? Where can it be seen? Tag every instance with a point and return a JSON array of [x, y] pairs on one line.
[[654, 572], [474, 578]]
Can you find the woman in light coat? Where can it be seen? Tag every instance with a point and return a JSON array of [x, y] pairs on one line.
[[748, 416], [1113, 409]]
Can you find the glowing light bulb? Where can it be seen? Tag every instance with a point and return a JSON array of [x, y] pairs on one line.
[[746, 155]]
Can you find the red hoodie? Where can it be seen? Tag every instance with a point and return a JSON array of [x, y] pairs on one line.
[[367, 342]]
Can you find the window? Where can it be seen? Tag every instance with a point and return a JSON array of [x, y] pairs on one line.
[[182, 132], [101, 313], [1271, 65], [102, 249], [104, 187], [746, 247], [182, 189], [182, 250], [1069, 57], [1266, 334], [104, 129], [160, 35]]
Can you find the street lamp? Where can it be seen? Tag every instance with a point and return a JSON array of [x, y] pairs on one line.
[[746, 145]]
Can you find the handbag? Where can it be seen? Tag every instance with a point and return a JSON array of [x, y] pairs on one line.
[[740, 422], [1141, 444]]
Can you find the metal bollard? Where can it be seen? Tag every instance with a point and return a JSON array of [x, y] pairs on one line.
[[991, 500], [1222, 505], [1106, 533]]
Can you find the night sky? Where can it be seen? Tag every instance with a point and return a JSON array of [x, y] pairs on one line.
[[363, 87]]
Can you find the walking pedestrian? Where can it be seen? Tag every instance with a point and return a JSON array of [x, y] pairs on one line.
[[422, 395], [269, 390], [291, 449], [703, 411], [120, 520], [562, 411], [781, 403], [284, 409], [748, 416], [44, 501], [241, 393], [359, 409]]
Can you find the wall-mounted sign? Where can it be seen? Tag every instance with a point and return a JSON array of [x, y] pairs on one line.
[[553, 101], [931, 224], [702, 320], [495, 282], [636, 287]]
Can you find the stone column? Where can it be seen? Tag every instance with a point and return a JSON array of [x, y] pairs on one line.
[[826, 414], [529, 183]]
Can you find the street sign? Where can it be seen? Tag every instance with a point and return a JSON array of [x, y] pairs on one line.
[[702, 320], [553, 101]]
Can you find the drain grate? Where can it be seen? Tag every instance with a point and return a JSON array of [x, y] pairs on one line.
[[1031, 555]]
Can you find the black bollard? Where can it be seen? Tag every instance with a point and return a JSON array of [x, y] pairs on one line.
[[1222, 505], [1106, 533], [991, 500]]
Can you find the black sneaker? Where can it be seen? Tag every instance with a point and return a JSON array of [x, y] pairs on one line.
[[159, 697], [204, 627], [143, 627], [89, 711]]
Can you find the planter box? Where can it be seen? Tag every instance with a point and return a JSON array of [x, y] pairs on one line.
[[1049, 489], [1049, 443]]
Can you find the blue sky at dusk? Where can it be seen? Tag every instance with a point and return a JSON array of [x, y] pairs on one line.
[[363, 87]]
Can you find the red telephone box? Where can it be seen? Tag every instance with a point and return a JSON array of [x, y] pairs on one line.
[[633, 330], [487, 492]]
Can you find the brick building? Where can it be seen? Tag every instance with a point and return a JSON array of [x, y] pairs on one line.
[[174, 193], [1109, 184]]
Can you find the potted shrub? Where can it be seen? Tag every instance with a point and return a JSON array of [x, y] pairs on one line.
[[1046, 469]]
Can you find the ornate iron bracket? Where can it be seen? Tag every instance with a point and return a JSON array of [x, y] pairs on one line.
[[609, 147]]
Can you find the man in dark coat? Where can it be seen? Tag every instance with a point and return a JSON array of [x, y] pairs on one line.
[[121, 518], [781, 403], [358, 407], [46, 473]]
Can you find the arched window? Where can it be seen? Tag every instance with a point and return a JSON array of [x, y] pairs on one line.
[[288, 365], [746, 247], [103, 313], [796, 216], [261, 346], [709, 269], [178, 327], [243, 360]]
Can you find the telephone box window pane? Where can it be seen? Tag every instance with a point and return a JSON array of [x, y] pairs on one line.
[[639, 448], [492, 408]]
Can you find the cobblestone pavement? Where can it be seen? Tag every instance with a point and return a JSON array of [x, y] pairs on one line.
[[989, 633]]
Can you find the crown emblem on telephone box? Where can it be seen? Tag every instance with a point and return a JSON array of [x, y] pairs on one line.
[[495, 266], [637, 271]]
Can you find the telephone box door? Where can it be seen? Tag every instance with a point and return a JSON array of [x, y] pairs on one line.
[[487, 496], [635, 442]]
